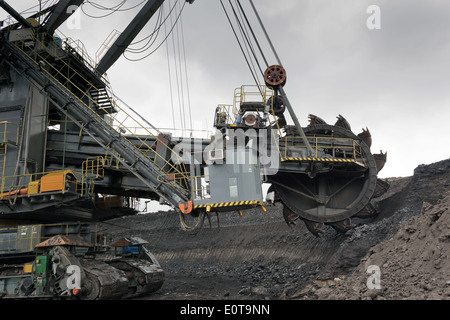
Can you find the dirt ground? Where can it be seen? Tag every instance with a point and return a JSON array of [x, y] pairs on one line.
[[257, 256]]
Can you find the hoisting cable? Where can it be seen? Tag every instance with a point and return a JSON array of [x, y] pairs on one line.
[[113, 9], [149, 38], [162, 42], [157, 28], [247, 42], [281, 89], [179, 82], [186, 73], [253, 34], [266, 34], [246, 25], [239, 43], [170, 77]]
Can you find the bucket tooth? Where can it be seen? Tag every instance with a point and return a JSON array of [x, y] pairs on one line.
[[381, 188], [341, 226], [369, 211], [313, 120], [342, 122], [289, 216], [380, 159], [314, 227], [366, 137]]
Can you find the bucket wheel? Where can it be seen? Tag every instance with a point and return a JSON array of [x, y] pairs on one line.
[[331, 193]]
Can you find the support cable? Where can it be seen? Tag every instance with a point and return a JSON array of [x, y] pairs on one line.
[[180, 108], [245, 25], [156, 28], [253, 34], [239, 43], [162, 42], [170, 77], [281, 89], [266, 34], [186, 73], [247, 43], [150, 39]]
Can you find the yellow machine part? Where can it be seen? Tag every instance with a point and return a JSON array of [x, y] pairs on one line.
[[54, 181], [27, 267], [33, 187]]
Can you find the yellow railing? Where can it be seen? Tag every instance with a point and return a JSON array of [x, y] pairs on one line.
[[92, 169], [336, 147], [226, 115], [121, 118], [3, 150], [199, 188], [9, 132], [251, 93]]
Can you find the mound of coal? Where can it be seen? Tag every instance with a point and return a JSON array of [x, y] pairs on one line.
[[414, 264], [257, 256]]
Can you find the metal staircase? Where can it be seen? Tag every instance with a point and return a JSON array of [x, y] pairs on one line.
[[90, 107]]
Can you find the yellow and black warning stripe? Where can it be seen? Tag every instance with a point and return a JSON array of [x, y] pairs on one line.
[[317, 159], [228, 204]]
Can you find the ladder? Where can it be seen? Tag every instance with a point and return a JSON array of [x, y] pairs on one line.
[[92, 110]]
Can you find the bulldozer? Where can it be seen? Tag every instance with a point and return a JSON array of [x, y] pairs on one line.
[[70, 156]]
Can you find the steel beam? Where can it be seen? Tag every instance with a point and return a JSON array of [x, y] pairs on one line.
[[61, 13], [15, 14], [127, 36]]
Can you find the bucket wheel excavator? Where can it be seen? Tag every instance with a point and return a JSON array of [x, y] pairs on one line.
[[339, 179], [328, 174], [73, 154]]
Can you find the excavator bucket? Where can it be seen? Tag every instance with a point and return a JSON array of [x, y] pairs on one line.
[[342, 122], [338, 181]]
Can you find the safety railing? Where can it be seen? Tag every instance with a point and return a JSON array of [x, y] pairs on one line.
[[25, 238], [106, 45], [226, 115], [200, 188], [123, 118], [26, 185], [252, 93], [344, 148], [230, 115], [9, 132], [265, 95], [92, 169], [174, 132]]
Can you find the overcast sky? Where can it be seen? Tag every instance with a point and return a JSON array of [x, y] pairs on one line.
[[394, 80]]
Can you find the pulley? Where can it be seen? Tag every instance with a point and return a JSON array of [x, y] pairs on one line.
[[275, 76]]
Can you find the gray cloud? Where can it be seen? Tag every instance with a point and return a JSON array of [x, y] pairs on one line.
[[394, 80]]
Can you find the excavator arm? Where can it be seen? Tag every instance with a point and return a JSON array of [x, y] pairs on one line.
[[61, 13], [128, 35]]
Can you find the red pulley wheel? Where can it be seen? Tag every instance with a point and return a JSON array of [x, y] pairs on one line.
[[275, 76]]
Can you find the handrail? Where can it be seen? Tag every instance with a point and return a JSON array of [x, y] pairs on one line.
[[333, 143], [34, 239], [4, 132], [125, 120]]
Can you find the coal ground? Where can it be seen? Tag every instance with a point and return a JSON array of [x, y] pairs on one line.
[[257, 256]]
